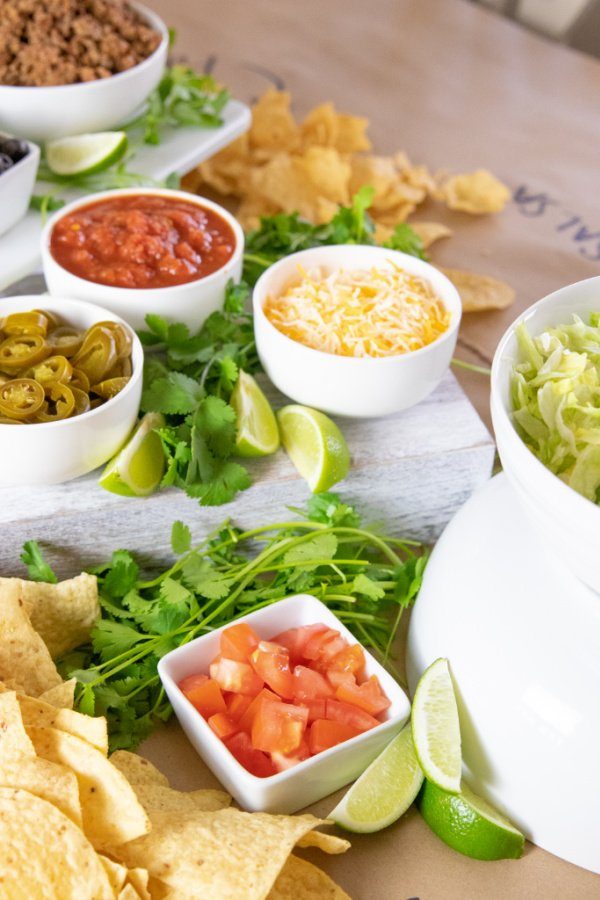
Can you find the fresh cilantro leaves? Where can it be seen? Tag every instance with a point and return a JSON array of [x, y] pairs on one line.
[[367, 580], [38, 568], [282, 234]]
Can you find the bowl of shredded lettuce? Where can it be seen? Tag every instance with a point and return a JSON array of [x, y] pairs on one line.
[[546, 413]]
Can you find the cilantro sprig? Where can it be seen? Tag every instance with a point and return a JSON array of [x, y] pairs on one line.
[[366, 579]]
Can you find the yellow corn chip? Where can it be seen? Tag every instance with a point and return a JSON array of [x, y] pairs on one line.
[[63, 614], [324, 126], [139, 879], [37, 714], [300, 880], [15, 745], [480, 292], [61, 696], [116, 873], [137, 769], [128, 893], [45, 779], [111, 811], [44, 854], [477, 193], [430, 232], [156, 798], [24, 658], [273, 127], [328, 843]]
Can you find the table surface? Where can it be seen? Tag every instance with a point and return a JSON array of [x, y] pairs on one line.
[[458, 88]]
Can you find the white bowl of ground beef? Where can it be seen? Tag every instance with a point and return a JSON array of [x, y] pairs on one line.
[[74, 67]]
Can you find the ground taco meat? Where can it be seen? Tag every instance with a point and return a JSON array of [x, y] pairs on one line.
[[46, 42]]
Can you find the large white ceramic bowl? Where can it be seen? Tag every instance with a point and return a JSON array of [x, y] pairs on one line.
[[317, 776], [46, 113], [189, 303], [568, 522], [349, 386], [53, 452]]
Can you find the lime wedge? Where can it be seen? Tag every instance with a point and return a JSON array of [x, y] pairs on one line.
[[468, 823], [139, 466], [257, 431], [385, 790], [436, 729], [315, 445], [86, 154]]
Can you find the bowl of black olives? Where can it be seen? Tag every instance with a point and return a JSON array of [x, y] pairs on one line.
[[19, 161]]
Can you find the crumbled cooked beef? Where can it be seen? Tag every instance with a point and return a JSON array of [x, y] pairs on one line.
[[67, 41]]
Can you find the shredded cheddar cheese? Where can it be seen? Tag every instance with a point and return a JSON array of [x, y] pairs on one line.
[[376, 312]]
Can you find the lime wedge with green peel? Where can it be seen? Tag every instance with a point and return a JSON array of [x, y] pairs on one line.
[[469, 824], [86, 154], [385, 790], [257, 431], [436, 729], [315, 445], [139, 466]]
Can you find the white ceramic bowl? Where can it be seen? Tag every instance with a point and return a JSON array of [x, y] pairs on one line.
[[53, 452], [312, 779], [568, 522], [342, 385], [46, 113], [189, 303], [16, 188]]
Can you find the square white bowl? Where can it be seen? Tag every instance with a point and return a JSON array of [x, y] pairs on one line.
[[311, 780], [16, 187]]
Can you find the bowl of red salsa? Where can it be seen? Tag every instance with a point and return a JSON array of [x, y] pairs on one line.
[[284, 705], [144, 250]]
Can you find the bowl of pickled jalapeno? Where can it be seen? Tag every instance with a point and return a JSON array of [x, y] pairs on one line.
[[70, 388]]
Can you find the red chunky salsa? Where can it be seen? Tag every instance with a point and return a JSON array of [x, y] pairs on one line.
[[142, 241]]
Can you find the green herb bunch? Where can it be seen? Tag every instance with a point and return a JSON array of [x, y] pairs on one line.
[[367, 580]]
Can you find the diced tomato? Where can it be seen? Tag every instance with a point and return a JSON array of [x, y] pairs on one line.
[[238, 642], [237, 705], [272, 663], [324, 646], [316, 709], [205, 695], [255, 761], [351, 659], [283, 761], [335, 677], [348, 714], [310, 685], [235, 676], [324, 734], [223, 725], [295, 640], [279, 727], [191, 681], [367, 696], [247, 718]]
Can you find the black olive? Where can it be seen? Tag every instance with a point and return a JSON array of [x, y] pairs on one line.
[[14, 148], [5, 162]]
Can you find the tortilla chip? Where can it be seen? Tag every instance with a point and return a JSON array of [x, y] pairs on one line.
[[62, 696], [300, 880], [227, 171], [480, 292], [273, 127], [156, 798], [116, 873], [227, 853], [138, 770], [328, 843], [296, 183], [24, 658], [325, 127], [15, 745], [128, 893], [477, 193], [430, 232], [111, 811], [139, 879], [63, 614], [44, 854], [37, 714], [327, 172]]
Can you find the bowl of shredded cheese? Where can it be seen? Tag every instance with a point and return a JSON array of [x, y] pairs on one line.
[[355, 330]]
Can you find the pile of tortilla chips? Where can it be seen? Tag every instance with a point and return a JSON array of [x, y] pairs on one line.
[[314, 166], [76, 824]]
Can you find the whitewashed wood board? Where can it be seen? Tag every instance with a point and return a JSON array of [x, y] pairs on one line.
[[179, 151], [410, 472]]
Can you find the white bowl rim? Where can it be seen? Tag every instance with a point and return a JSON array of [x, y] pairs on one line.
[[364, 361], [157, 24], [136, 351], [132, 293], [499, 407], [304, 764]]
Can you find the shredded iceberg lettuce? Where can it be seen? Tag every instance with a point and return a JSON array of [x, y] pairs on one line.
[[556, 400]]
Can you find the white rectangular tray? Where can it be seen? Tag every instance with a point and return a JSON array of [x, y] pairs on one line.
[[181, 149]]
